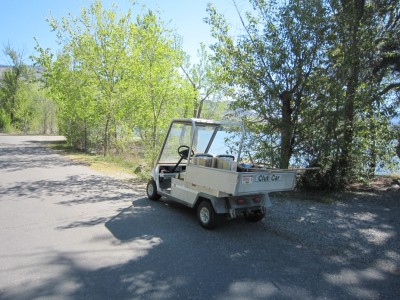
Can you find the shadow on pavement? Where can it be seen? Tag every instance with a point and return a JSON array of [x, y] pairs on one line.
[[33, 155]]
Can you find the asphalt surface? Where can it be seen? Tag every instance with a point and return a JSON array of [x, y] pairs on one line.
[[68, 232]]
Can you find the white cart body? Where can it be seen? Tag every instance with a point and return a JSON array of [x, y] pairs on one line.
[[214, 171]]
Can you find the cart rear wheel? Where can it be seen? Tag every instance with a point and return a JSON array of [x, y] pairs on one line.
[[256, 217], [152, 190], [206, 215]]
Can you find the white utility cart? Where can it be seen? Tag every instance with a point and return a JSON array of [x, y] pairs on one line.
[[200, 166]]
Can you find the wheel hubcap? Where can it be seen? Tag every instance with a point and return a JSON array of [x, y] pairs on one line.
[[204, 215], [150, 189]]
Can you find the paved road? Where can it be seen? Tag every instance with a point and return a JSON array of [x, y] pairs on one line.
[[67, 232]]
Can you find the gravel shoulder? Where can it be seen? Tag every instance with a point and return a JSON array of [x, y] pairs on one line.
[[363, 229]]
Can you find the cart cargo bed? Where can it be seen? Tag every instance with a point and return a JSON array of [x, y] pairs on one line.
[[241, 183]]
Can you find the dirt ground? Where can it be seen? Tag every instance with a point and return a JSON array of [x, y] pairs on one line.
[[360, 227], [378, 184]]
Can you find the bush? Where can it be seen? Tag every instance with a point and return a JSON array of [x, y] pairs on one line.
[[5, 121]]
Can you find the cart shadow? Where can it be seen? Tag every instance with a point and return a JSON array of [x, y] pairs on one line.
[[170, 221], [150, 218]]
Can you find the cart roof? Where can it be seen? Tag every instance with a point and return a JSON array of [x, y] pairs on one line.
[[194, 121]]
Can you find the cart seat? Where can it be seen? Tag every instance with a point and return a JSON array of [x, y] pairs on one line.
[[226, 156], [225, 162], [203, 159], [203, 155]]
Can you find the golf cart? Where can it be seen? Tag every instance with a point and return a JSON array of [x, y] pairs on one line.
[[200, 165]]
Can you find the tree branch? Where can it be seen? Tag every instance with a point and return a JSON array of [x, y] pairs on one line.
[[390, 87]]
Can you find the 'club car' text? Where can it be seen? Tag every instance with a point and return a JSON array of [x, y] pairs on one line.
[[268, 178]]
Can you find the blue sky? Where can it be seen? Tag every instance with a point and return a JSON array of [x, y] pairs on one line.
[[22, 20]]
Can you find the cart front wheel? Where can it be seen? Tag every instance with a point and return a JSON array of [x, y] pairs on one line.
[[206, 215], [152, 190]]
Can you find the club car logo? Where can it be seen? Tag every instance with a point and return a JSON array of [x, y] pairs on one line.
[[268, 178]]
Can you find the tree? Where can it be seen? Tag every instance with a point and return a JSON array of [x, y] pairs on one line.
[[161, 93], [73, 93], [359, 115], [112, 76], [387, 60], [316, 81], [95, 47], [398, 141], [201, 76], [45, 120], [270, 67], [11, 83], [20, 107]]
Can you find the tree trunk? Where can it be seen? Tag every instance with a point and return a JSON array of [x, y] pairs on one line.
[[355, 9], [106, 137], [348, 129], [85, 146], [12, 116], [286, 130], [199, 109]]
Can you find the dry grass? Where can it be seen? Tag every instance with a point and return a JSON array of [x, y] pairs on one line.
[[117, 166]]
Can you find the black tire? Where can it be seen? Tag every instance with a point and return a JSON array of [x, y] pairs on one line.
[[151, 190], [206, 215], [256, 217]]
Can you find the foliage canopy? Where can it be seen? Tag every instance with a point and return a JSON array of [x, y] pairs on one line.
[[317, 82]]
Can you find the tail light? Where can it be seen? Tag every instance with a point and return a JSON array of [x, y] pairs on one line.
[[257, 199], [240, 201]]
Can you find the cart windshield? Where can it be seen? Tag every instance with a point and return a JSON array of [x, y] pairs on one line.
[[215, 139]]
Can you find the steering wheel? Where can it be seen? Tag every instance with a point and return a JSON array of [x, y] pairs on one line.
[[183, 152]]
